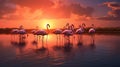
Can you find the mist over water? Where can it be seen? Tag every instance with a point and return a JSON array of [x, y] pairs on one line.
[[59, 51]]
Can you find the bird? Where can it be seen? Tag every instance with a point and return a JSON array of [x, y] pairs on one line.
[[67, 32], [41, 32], [48, 26], [58, 41], [81, 29], [35, 30], [22, 31], [92, 29], [15, 31], [57, 31], [91, 32]]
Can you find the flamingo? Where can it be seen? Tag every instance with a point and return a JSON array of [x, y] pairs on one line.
[[92, 29], [67, 26], [68, 33], [57, 31], [48, 26], [15, 31], [67, 45], [72, 27], [43, 33], [81, 29], [35, 30], [21, 30]]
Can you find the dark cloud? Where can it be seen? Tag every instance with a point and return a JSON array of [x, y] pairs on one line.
[[65, 11], [6, 7], [34, 4], [114, 14], [113, 5], [81, 10], [109, 18]]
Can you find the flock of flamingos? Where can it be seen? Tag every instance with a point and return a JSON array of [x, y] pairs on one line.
[[67, 31]]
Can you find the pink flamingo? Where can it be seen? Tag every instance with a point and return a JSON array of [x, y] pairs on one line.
[[81, 29], [43, 33], [35, 30], [15, 31], [57, 31], [21, 30], [67, 32], [92, 29]]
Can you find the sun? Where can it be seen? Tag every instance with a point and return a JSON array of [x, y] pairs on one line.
[[44, 22]]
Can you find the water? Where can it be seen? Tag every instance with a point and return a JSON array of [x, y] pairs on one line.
[[59, 51]]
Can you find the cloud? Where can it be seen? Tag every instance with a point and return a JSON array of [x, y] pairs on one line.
[[113, 5], [114, 14], [81, 10], [48, 9], [34, 4], [65, 11], [6, 7]]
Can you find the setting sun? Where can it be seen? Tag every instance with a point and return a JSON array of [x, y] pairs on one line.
[[44, 22]]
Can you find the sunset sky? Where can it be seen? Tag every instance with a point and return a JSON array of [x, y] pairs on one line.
[[32, 13]]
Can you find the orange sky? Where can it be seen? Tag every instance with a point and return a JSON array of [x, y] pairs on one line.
[[32, 13]]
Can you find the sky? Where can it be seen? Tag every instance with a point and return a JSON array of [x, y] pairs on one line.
[[32, 13]]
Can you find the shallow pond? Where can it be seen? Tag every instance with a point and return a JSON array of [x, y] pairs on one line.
[[59, 51]]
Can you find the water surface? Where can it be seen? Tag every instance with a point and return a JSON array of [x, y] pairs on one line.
[[59, 51]]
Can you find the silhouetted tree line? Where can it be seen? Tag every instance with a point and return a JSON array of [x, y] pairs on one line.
[[98, 30]]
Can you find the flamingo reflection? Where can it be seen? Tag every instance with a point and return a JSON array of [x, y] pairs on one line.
[[37, 42], [92, 43], [58, 39], [80, 41], [20, 44]]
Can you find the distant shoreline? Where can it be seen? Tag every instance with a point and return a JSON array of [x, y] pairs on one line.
[[115, 30]]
